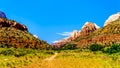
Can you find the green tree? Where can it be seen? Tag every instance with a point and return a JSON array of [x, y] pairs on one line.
[[95, 47]]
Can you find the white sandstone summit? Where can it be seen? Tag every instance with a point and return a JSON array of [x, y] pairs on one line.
[[74, 34], [112, 18], [96, 26], [87, 23]]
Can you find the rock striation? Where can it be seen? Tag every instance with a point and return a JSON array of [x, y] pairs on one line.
[[107, 35], [86, 30], [11, 23], [93, 34]]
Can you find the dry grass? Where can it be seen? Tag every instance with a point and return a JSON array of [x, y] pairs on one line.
[[82, 60], [64, 59]]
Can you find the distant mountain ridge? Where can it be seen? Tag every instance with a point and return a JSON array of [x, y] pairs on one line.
[[92, 34], [87, 29]]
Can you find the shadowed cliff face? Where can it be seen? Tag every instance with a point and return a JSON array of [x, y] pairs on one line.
[[2, 15], [10, 23]]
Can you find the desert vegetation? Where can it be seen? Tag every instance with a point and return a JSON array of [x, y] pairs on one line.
[[18, 57], [96, 56]]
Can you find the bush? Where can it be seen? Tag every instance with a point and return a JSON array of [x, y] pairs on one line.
[[96, 47], [13, 51], [7, 52], [69, 47], [112, 49], [20, 52]]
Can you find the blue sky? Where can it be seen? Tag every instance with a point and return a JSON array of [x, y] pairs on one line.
[[50, 18]]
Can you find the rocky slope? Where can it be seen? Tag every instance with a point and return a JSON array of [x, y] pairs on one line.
[[112, 18], [11, 23], [86, 30], [14, 34], [92, 34], [105, 36]]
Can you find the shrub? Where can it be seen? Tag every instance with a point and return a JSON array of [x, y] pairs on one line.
[[69, 47], [96, 47], [20, 52], [112, 49], [13, 51], [7, 52]]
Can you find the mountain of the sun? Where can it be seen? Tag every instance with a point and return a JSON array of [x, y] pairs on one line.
[[14, 34], [91, 34]]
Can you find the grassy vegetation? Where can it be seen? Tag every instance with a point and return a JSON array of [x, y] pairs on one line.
[[95, 56], [107, 57], [16, 58], [83, 59]]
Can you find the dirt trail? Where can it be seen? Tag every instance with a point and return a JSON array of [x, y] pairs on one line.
[[43, 64], [52, 57]]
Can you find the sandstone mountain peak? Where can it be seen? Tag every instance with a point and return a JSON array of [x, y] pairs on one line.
[[87, 29], [96, 26], [89, 24], [90, 33], [86, 24], [112, 18], [2, 14], [74, 34]]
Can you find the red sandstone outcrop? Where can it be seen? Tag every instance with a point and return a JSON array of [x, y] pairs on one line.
[[11, 23]]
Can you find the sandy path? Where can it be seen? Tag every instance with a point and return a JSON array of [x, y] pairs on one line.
[[52, 57], [41, 64]]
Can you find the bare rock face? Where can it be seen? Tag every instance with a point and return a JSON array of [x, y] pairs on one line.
[[74, 35], [112, 18], [87, 29], [63, 41], [91, 34], [10, 23]]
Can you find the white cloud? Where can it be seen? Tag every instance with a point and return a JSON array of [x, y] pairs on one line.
[[65, 34], [35, 36], [55, 41]]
